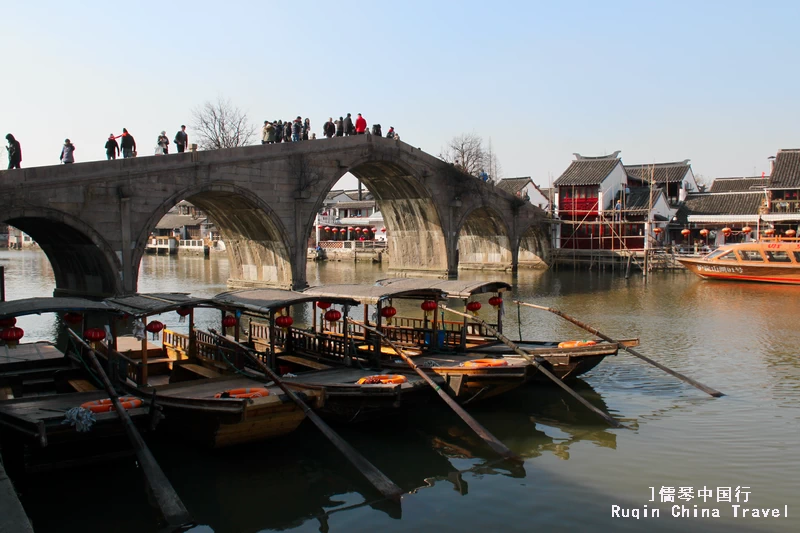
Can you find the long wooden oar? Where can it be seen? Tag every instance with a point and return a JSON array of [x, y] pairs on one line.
[[537, 362], [481, 431], [171, 506], [367, 469], [590, 329]]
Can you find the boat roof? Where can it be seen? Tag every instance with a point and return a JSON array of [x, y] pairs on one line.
[[154, 303], [407, 288], [453, 288], [265, 300], [35, 306]]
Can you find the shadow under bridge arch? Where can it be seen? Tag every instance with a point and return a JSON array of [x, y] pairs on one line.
[[254, 238], [83, 263], [415, 234], [484, 243]]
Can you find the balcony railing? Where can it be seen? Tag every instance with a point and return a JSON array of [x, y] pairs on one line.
[[785, 206]]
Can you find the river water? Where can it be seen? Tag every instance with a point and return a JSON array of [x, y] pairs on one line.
[[741, 339]]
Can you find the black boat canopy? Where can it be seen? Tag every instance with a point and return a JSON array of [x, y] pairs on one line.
[[452, 288], [36, 306], [154, 303], [265, 300]]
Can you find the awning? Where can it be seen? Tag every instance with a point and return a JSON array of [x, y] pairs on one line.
[[265, 300], [772, 217], [723, 218]]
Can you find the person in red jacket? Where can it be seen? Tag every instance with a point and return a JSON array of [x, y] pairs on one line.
[[361, 125]]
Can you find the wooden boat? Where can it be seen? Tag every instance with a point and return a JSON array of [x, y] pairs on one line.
[[206, 396], [467, 377], [457, 341], [310, 359], [39, 386], [770, 260]]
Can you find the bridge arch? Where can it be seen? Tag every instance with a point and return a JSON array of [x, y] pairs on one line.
[[533, 248], [484, 241], [416, 230], [257, 243], [83, 262]]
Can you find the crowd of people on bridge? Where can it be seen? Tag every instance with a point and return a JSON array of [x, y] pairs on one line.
[[299, 129], [276, 131]]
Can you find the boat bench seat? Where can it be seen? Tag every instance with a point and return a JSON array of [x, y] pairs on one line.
[[303, 362], [81, 385], [189, 371]]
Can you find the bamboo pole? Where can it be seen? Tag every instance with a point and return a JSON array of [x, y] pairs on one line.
[[481, 431], [537, 362], [377, 478], [708, 390], [168, 501]]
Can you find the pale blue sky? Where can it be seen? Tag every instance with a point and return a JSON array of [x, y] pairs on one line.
[[712, 81]]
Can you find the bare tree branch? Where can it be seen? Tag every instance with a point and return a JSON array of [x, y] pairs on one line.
[[467, 153], [221, 125]]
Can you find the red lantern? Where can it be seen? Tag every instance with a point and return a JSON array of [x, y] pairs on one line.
[[284, 321], [790, 233], [704, 232], [342, 230], [769, 231], [72, 318], [496, 301], [657, 230], [383, 230], [182, 312], [323, 305], [228, 321], [94, 335], [473, 307], [747, 229], [350, 228], [9, 322], [428, 306], [154, 327], [387, 313], [685, 232], [726, 231], [333, 315], [327, 228], [12, 335]]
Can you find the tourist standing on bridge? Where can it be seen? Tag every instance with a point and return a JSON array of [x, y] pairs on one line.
[[278, 131], [181, 140], [112, 148], [163, 144], [339, 127], [297, 129], [361, 125], [67, 153], [14, 152], [128, 144], [306, 129], [390, 134], [348, 126], [287, 131], [328, 129], [264, 132]]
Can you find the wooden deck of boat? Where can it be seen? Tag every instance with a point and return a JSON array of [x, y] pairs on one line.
[[207, 388], [34, 351], [53, 406], [348, 377]]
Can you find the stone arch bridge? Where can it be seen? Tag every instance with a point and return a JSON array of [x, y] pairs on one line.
[[93, 219]]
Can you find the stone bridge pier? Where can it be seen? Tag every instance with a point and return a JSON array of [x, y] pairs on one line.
[[93, 219]]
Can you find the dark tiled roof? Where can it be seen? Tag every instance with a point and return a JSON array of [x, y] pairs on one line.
[[513, 185], [732, 203], [738, 184], [662, 172], [786, 173], [638, 200], [587, 171], [171, 221]]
